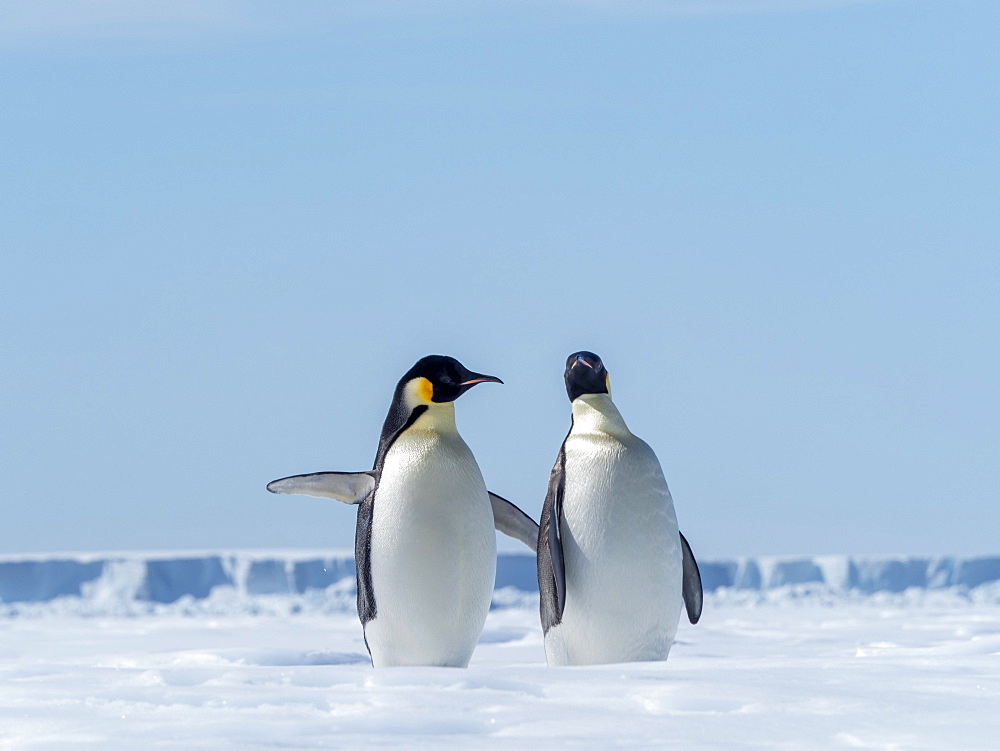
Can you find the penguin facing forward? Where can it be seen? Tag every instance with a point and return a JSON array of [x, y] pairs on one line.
[[425, 550], [613, 568]]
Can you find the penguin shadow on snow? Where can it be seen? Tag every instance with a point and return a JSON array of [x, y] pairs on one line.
[[504, 635], [291, 658]]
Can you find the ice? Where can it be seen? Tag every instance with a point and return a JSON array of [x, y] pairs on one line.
[[275, 581], [41, 580]]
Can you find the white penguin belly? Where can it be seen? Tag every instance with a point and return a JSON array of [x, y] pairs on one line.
[[433, 553], [622, 555]]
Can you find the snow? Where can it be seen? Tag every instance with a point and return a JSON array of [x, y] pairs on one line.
[[805, 665]]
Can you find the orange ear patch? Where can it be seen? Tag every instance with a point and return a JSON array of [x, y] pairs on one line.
[[425, 390]]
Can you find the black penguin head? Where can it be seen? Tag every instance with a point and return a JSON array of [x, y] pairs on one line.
[[585, 374], [437, 379]]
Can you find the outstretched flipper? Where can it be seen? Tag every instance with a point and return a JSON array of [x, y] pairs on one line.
[[551, 569], [691, 583], [513, 522], [346, 487]]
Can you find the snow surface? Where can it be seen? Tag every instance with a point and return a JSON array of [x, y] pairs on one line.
[[792, 666]]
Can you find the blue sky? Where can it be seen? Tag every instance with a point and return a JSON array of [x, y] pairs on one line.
[[229, 228]]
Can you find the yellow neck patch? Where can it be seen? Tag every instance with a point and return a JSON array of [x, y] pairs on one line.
[[423, 390]]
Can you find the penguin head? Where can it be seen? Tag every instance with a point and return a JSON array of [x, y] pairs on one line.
[[439, 379], [585, 374]]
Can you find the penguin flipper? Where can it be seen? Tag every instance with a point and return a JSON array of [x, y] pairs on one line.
[[346, 487], [691, 583], [513, 522], [551, 568], [555, 546]]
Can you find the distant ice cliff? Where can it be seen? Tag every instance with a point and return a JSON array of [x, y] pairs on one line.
[[249, 580]]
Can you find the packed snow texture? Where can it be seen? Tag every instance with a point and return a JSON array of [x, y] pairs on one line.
[[782, 674], [263, 650], [110, 584]]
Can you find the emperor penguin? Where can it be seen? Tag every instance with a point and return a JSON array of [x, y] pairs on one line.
[[425, 550], [613, 568]]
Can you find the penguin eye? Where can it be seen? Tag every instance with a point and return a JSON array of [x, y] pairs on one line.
[[445, 378]]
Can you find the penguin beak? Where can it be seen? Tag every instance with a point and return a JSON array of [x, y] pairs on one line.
[[479, 378], [471, 379], [461, 380]]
